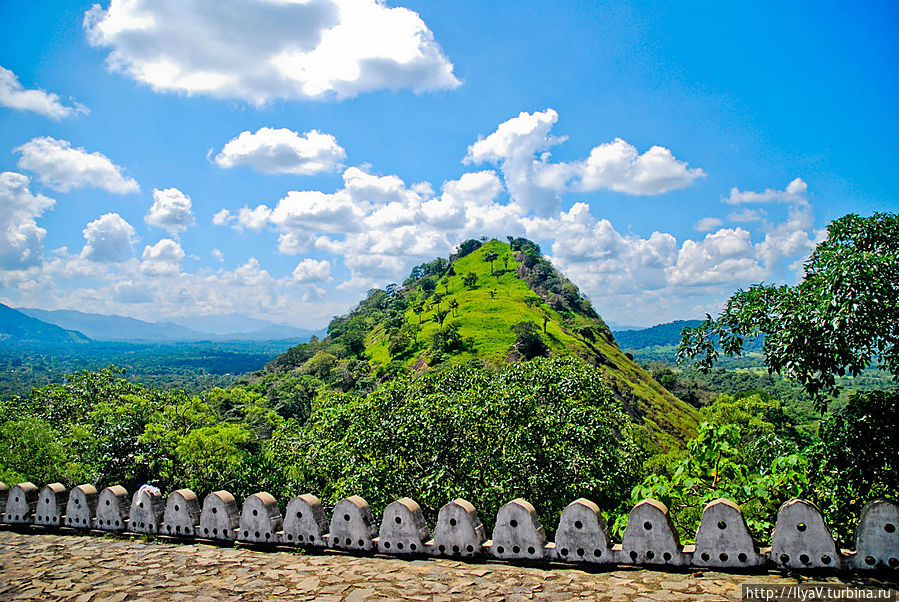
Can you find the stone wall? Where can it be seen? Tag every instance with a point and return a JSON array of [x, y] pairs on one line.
[[801, 540]]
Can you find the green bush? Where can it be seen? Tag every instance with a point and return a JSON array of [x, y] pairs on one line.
[[548, 431]]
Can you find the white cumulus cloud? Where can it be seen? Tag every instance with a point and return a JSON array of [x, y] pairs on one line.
[[261, 50], [62, 167], [108, 239], [21, 239], [16, 96], [727, 255], [520, 146], [162, 258], [619, 166], [312, 270], [283, 151], [171, 211]]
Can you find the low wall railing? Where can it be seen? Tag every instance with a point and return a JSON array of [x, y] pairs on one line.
[[801, 540]]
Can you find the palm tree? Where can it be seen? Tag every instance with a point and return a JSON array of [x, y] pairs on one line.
[[454, 305]]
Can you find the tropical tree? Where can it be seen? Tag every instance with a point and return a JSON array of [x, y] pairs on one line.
[[841, 318], [529, 342], [454, 305], [533, 301], [490, 257], [418, 308], [470, 280], [440, 315]]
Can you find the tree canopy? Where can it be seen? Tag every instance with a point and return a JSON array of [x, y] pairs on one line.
[[842, 317]]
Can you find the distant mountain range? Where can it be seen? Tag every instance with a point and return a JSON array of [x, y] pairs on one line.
[[18, 327], [660, 335], [98, 327], [667, 335]]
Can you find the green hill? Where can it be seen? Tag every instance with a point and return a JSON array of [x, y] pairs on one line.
[[661, 335], [16, 327], [469, 308]]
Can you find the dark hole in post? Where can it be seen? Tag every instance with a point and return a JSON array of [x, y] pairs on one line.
[[578, 524], [801, 527], [650, 554], [825, 559], [513, 523], [452, 522], [647, 525], [889, 528]]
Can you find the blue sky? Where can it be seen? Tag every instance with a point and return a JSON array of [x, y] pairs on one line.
[[278, 158]]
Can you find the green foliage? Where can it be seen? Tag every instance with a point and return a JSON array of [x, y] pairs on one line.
[[842, 317], [547, 430], [399, 342], [209, 456], [857, 458], [448, 339], [33, 451], [470, 280], [711, 468], [466, 248], [529, 342]]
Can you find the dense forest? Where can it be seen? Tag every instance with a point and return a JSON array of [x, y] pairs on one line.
[[489, 376]]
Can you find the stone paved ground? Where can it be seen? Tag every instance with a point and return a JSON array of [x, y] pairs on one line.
[[91, 568]]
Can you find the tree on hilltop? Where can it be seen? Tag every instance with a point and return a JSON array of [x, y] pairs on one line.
[[490, 257]]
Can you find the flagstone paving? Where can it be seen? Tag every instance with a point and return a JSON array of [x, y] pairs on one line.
[[92, 568]]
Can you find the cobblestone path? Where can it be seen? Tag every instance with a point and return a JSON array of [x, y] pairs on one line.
[[90, 568]]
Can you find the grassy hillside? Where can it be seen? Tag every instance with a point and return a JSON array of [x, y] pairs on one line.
[[450, 312]]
